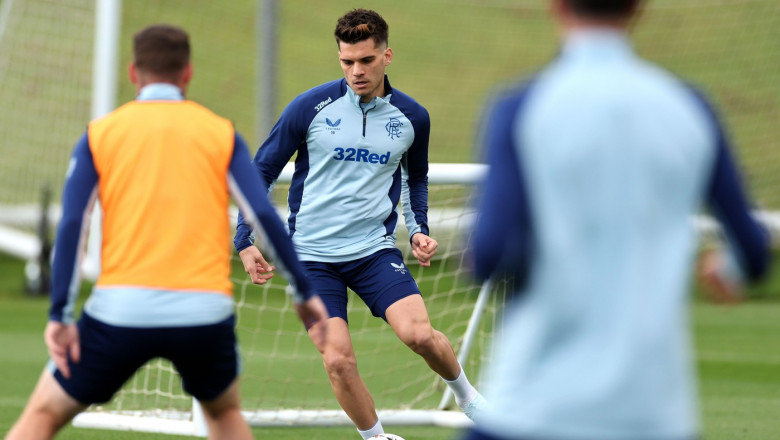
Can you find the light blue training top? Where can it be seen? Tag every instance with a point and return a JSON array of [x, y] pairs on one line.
[[353, 164], [596, 167]]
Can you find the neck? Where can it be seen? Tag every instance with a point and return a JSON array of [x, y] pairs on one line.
[[578, 24], [141, 84], [570, 21], [367, 99], [160, 91], [380, 92], [144, 79]]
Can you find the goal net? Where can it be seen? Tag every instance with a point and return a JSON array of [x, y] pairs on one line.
[[45, 72], [448, 54]]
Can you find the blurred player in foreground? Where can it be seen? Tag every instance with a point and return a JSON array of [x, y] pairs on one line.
[[357, 140], [163, 169], [597, 166]]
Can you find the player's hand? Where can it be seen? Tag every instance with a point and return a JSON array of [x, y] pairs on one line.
[[716, 287], [61, 340], [424, 248], [255, 265], [314, 316]]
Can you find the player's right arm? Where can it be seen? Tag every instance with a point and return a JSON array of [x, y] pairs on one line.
[[78, 198], [287, 135]]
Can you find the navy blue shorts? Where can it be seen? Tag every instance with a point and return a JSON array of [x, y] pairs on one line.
[[206, 357], [379, 279]]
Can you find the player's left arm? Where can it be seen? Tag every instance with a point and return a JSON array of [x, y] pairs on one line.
[[415, 163], [502, 240], [747, 254]]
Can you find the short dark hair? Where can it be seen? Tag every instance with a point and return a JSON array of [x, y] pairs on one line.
[[603, 8], [361, 24], [162, 50]]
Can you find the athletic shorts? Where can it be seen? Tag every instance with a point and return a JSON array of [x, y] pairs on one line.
[[379, 279], [206, 357]]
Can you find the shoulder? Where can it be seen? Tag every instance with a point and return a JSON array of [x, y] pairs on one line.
[[509, 98], [305, 107], [699, 98], [317, 98], [412, 109], [206, 113], [681, 95], [125, 114], [114, 114]]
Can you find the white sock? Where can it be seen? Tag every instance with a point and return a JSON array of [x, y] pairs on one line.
[[374, 430], [462, 389]]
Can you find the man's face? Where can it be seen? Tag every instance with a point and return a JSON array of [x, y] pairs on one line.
[[364, 66]]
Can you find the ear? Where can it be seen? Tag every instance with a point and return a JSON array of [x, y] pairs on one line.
[[388, 56], [132, 72], [187, 74], [559, 8]]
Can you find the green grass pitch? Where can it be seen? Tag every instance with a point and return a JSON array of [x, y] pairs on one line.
[[737, 352]]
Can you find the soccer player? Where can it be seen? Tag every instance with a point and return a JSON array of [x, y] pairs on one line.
[[357, 139], [163, 169], [597, 165]]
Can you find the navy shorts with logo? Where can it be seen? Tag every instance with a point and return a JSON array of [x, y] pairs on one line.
[[379, 279], [206, 357]]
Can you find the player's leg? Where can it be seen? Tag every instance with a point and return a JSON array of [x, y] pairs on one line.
[[387, 287], [409, 319], [338, 355], [223, 415], [48, 410], [109, 356], [207, 359]]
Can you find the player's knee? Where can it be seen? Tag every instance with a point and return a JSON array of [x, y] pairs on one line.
[[217, 409], [43, 420], [420, 339], [339, 364]]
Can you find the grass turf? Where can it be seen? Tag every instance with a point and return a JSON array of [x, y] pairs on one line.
[[736, 349]]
